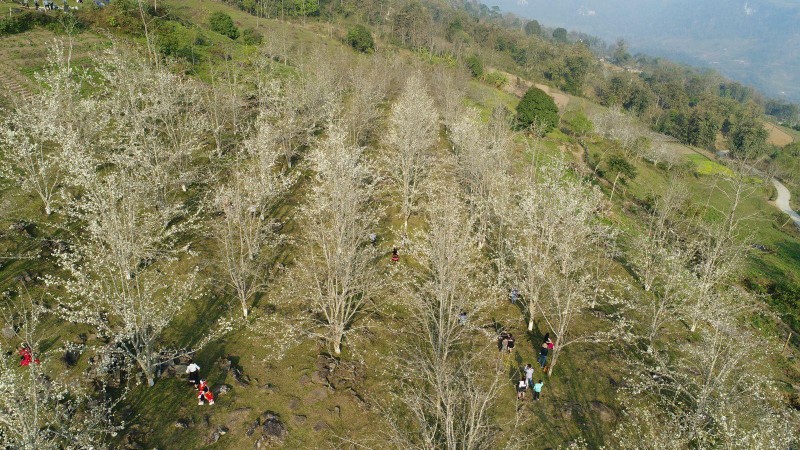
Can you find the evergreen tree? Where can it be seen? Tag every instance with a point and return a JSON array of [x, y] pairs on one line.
[[560, 35], [533, 28], [360, 39], [537, 107], [223, 24]]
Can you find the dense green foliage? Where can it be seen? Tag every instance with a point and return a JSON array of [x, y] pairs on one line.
[[560, 35], [694, 107], [620, 167], [252, 37], [475, 66], [495, 79], [532, 28], [223, 24], [536, 107], [19, 23], [360, 39]]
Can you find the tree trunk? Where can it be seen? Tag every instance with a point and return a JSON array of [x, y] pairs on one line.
[[552, 362], [147, 369], [531, 312], [337, 345], [614, 187]]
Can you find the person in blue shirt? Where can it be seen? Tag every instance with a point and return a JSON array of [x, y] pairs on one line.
[[537, 389]]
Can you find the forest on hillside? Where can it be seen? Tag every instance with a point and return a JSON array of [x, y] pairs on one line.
[[343, 217]]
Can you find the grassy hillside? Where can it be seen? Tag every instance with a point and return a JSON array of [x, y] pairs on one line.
[[281, 384]]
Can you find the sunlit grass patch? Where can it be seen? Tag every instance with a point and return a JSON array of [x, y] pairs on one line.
[[705, 166]]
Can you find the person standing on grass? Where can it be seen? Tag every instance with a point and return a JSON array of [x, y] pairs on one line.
[[26, 356], [395, 254], [537, 390], [543, 355], [510, 343], [514, 295], [528, 375], [194, 373], [204, 394], [502, 341], [521, 386]]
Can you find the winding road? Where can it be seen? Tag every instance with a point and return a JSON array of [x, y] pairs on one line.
[[782, 202]]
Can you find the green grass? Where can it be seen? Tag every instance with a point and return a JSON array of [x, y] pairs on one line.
[[574, 399], [486, 98], [705, 166]]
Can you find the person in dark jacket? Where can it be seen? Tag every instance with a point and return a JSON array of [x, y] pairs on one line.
[[543, 355]]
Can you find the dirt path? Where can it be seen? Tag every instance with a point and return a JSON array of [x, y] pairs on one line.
[[518, 86], [782, 202]]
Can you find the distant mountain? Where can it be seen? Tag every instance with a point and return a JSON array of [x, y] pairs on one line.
[[756, 42]]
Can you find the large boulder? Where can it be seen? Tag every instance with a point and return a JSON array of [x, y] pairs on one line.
[[272, 431]]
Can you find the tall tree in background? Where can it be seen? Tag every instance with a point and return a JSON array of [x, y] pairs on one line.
[[413, 130], [482, 154], [36, 148], [338, 267], [620, 55], [447, 398], [247, 201], [533, 28], [124, 213], [560, 35], [557, 228], [368, 84]]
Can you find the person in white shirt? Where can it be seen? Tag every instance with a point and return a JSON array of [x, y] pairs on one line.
[[194, 373], [521, 389], [528, 375]]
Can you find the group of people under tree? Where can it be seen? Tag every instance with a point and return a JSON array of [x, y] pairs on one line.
[[204, 393], [505, 344]]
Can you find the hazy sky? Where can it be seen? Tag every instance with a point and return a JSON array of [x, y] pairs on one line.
[[754, 41]]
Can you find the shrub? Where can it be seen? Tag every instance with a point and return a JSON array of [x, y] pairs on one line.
[[475, 66], [175, 40], [533, 28], [20, 23], [537, 107], [560, 35], [223, 24], [496, 79], [360, 39], [252, 37], [620, 167]]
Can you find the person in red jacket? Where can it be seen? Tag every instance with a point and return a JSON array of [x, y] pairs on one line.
[[395, 255], [204, 394], [26, 356], [209, 396]]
